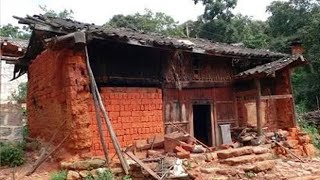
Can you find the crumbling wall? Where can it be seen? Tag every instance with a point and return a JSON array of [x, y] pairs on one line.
[[57, 96], [285, 110], [135, 113], [59, 92]]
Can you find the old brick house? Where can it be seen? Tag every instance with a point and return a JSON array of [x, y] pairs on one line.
[[148, 81]]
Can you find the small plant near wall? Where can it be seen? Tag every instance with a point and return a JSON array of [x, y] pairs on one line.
[[11, 155], [20, 96], [60, 175]]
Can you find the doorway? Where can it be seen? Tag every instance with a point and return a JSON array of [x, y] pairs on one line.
[[202, 123]]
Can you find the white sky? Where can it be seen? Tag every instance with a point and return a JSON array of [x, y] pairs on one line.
[[100, 11]]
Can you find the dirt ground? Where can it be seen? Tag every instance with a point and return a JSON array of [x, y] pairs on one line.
[[284, 170]]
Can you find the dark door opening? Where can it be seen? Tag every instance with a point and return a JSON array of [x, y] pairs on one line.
[[202, 123]]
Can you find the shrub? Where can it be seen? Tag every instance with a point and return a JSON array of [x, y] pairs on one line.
[[11, 155], [126, 177], [60, 175], [312, 130], [105, 175]]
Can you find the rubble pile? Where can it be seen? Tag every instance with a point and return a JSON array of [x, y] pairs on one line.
[[296, 141]]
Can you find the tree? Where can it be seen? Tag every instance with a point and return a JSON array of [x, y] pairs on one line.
[[149, 22], [237, 29], [299, 19], [14, 32], [220, 9], [66, 13]]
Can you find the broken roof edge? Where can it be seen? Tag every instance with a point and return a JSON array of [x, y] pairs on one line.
[[65, 26], [269, 69]]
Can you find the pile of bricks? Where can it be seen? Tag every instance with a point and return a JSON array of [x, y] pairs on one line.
[[297, 142]]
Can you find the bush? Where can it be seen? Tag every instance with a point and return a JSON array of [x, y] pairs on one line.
[[126, 177], [105, 175], [60, 175], [312, 130], [11, 155]]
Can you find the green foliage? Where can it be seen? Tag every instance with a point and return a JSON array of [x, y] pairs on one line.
[[66, 13], [11, 155], [220, 9], [60, 175], [21, 95], [25, 131], [149, 22], [89, 177], [126, 177], [14, 32], [312, 130], [105, 175]]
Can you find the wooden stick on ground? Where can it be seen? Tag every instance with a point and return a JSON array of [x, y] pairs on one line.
[[290, 152], [144, 166], [45, 156], [190, 136], [114, 139]]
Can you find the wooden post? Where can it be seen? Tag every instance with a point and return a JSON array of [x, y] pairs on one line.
[[113, 136], [258, 106], [295, 123]]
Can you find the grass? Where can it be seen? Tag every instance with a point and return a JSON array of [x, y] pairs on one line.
[[312, 130], [60, 175]]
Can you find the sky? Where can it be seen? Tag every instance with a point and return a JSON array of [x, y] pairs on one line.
[[100, 11]]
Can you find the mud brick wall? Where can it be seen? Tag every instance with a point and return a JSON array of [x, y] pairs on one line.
[[57, 95], [284, 107], [136, 113], [59, 92], [269, 111]]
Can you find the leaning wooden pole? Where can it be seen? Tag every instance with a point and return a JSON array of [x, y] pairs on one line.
[[99, 122], [258, 106], [114, 139]]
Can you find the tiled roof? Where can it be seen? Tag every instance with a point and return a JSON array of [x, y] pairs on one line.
[[66, 26], [270, 68]]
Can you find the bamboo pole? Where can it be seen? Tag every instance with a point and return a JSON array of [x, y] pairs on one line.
[[114, 139]]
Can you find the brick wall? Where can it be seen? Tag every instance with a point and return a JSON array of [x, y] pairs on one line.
[[135, 113], [284, 106], [59, 92]]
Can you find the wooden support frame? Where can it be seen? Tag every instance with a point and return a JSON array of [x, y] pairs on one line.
[[258, 105]]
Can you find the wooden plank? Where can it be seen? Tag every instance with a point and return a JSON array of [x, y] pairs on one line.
[[285, 96], [144, 166], [182, 123], [245, 93], [198, 84], [258, 106], [224, 102]]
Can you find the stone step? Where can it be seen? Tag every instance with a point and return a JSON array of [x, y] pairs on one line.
[[247, 159], [259, 166], [228, 153]]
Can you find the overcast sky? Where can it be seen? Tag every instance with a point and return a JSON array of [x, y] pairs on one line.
[[100, 11]]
